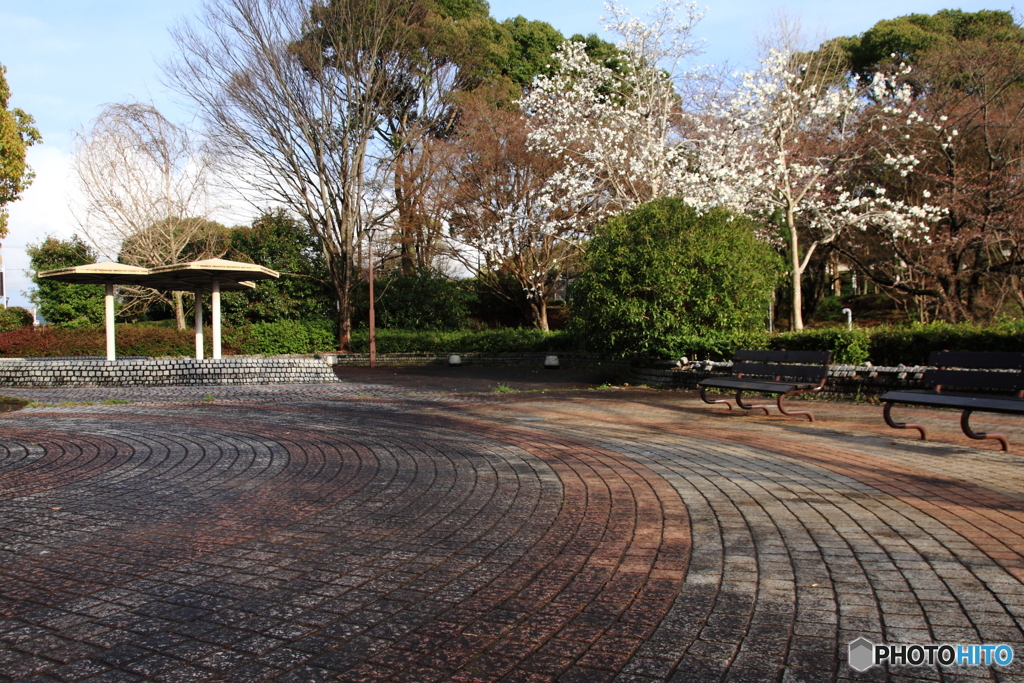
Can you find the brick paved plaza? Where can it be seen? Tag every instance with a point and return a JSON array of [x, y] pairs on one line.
[[389, 531]]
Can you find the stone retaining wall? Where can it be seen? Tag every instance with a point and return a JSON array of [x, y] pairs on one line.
[[845, 380], [99, 372]]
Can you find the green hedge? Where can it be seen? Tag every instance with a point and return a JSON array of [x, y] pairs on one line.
[[910, 346], [283, 336], [463, 341], [884, 345], [132, 340], [14, 318], [880, 345]]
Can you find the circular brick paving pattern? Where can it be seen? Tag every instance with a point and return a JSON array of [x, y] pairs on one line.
[[360, 532]]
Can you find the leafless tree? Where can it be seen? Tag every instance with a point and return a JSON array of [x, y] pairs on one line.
[[144, 183], [293, 96]]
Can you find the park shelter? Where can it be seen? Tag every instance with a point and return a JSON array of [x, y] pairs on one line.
[[216, 274], [107, 274]]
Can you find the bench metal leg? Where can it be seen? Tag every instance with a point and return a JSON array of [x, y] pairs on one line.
[[791, 413], [741, 404], [887, 415], [965, 425], [704, 398]]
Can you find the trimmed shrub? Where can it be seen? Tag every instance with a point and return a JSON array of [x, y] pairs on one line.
[[848, 347], [153, 340], [664, 271], [506, 340], [132, 340], [283, 336], [14, 318], [712, 345], [911, 345]]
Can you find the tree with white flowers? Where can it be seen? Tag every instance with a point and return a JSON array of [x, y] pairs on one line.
[[495, 205], [615, 125], [788, 145]]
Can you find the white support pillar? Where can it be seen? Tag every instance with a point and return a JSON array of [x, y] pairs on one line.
[[215, 315], [108, 317], [199, 323]]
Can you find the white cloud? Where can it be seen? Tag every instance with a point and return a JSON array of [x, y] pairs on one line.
[[42, 210]]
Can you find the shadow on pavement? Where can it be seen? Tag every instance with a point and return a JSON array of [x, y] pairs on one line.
[[475, 378]]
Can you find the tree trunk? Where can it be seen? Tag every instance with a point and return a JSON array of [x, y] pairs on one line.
[[540, 314], [406, 219], [797, 314], [179, 311]]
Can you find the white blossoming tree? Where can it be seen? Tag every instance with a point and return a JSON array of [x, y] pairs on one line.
[[787, 145], [499, 216], [614, 126]]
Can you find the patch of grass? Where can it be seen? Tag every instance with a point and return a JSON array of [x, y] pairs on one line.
[[208, 398], [503, 389], [115, 401], [10, 403]]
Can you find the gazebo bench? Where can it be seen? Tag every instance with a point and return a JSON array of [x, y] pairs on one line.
[[771, 372], [980, 374]]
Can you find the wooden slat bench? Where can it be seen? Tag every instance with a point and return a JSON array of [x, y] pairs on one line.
[[972, 372], [772, 372]]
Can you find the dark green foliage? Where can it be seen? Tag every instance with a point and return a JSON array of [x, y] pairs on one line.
[[886, 346], [14, 318], [60, 303], [600, 50], [425, 301], [532, 44], [912, 36], [911, 345], [883, 345], [462, 9], [711, 345], [848, 347], [283, 336], [303, 291], [664, 271], [499, 301]]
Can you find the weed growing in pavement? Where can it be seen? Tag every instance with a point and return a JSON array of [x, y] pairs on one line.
[[10, 403], [208, 398], [115, 401], [503, 389]]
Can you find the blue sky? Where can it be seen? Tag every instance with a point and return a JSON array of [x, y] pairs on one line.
[[66, 58]]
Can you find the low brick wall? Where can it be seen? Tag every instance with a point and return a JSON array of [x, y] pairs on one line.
[[99, 372]]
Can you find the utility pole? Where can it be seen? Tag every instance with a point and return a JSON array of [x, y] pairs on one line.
[[373, 321]]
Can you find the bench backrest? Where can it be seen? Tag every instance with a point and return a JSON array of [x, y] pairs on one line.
[[782, 364], [976, 370]]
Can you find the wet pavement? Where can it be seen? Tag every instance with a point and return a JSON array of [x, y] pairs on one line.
[[419, 525]]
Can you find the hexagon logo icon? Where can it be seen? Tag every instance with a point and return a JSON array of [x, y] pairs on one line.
[[861, 654]]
